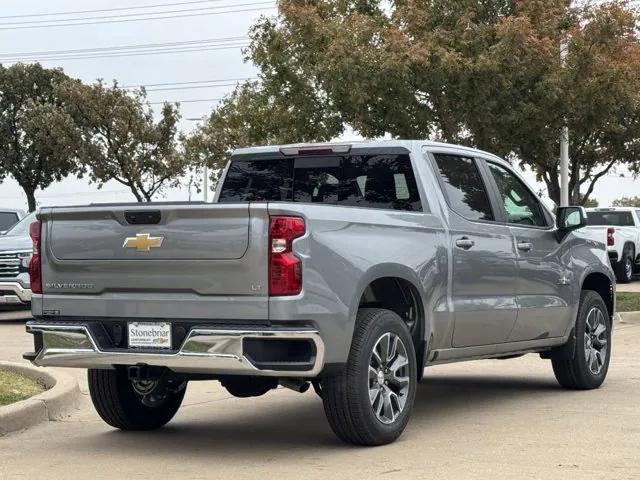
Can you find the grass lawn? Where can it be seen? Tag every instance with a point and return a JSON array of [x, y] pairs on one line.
[[628, 302], [15, 387]]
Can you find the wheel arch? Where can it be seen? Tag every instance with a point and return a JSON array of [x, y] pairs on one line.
[[602, 284], [397, 288], [631, 246]]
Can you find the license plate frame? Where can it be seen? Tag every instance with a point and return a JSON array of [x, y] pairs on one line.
[[149, 335]]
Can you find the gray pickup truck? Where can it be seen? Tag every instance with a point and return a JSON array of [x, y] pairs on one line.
[[349, 268]]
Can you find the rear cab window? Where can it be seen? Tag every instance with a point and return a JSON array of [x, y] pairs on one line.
[[610, 218], [382, 181]]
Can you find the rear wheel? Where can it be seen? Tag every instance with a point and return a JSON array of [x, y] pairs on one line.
[[624, 268], [133, 405], [586, 365], [370, 401]]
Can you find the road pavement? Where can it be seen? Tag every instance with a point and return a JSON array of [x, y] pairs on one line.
[[487, 419], [633, 287]]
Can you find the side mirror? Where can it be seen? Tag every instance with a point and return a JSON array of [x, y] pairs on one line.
[[570, 219]]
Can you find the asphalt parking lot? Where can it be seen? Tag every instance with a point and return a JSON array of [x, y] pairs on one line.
[[487, 419]]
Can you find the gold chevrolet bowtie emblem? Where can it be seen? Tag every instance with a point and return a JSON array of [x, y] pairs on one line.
[[143, 242]]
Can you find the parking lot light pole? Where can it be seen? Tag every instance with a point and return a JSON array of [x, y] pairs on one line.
[[205, 185], [564, 144], [564, 167]]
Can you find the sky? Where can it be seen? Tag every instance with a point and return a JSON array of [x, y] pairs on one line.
[[192, 21]]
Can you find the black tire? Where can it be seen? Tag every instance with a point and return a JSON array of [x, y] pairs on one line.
[[346, 395], [571, 366], [121, 407], [624, 268]]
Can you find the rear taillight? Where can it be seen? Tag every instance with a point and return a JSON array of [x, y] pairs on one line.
[[285, 269], [611, 241], [35, 270]]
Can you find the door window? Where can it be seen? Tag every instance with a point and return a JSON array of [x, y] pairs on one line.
[[464, 187], [522, 206]]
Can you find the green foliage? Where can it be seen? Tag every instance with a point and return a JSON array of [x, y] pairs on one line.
[[121, 141], [628, 302], [486, 74], [15, 387], [627, 202], [38, 140], [260, 114]]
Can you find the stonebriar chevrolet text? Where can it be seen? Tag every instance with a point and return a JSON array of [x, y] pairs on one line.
[[346, 267]]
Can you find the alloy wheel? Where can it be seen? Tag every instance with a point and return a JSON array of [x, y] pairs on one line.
[[595, 340], [388, 378]]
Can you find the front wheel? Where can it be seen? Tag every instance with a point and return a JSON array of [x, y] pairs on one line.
[[130, 405], [588, 364], [370, 401]]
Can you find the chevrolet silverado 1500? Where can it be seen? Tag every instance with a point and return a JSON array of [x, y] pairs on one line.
[[349, 268]]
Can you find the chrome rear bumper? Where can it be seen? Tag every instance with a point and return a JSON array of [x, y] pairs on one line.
[[17, 294], [204, 350]]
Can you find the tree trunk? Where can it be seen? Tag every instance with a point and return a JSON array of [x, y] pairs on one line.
[[553, 187], [31, 198], [136, 194]]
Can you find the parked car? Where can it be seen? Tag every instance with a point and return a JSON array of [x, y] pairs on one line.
[[621, 226], [8, 218], [348, 267], [15, 253]]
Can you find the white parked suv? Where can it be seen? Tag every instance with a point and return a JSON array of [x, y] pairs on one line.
[[623, 238]]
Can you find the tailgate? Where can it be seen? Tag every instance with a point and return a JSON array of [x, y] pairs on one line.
[[158, 260]]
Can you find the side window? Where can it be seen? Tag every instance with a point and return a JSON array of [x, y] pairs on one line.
[[464, 187], [638, 216], [8, 220], [522, 206]]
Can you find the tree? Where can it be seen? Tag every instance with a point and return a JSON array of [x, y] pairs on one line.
[[38, 140], [121, 141], [487, 74], [627, 202], [258, 114]]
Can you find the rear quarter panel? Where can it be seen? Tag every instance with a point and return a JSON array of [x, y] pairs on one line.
[[347, 248]]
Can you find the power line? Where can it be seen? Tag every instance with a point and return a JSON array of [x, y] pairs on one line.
[[197, 100], [125, 47], [78, 12], [190, 87], [190, 82], [137, 19], [129, 15], [130, 54]]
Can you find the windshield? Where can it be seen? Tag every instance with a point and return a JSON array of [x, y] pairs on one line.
[[21, 229], [614, 219]]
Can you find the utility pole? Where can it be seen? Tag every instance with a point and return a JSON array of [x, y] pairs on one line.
[[564, 143], [205, 184]]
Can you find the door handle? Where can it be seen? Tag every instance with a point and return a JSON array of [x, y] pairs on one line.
[[525, 246], [465, 243]]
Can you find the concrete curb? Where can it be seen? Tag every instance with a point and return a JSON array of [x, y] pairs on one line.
[[628, 317], [58, 401]]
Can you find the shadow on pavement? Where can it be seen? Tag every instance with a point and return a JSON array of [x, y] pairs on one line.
[[253, 428]]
